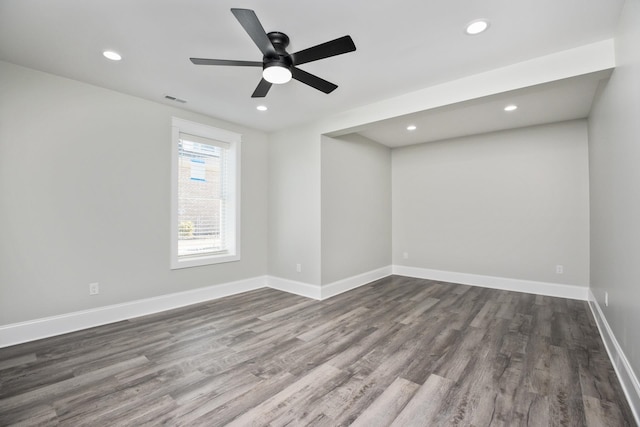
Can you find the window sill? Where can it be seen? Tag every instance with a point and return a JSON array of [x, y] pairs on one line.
[[203, 260]]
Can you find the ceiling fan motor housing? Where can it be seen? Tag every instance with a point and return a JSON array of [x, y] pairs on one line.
[[283, 59]]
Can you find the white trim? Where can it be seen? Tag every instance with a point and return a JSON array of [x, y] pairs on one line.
[[517, 285], [32, 330], [56, 325], [344, 285], [293, 287], [207, 131], [329, 290], [627, 377]]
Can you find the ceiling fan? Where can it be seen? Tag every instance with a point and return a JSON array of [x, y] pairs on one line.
[[279, 66]]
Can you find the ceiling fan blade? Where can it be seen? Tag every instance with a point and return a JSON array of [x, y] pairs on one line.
[[203, 61], [253, 27], [325, 50], [313, 81], [262, 89]]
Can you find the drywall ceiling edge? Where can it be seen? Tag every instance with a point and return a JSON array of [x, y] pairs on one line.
[[579, 61]]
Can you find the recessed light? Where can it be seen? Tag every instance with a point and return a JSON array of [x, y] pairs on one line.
[[261, 108], [477, 26], [411, 127], [114, 56], [511, 107]]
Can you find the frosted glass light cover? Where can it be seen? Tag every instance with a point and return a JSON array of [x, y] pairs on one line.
[[276, 74]]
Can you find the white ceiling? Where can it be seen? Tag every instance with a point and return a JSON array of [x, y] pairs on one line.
[[558, 101], [401, 47]]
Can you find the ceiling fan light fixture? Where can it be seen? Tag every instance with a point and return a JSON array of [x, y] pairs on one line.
[[278, 65], [276, 74]]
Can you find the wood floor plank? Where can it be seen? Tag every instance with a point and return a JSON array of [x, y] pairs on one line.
[[388, 405], [419, 310], [398, 351], [17, 361], [357, 393], [332, 324], [357, 351], [316, 382], [91, 403], [485, 315], [210, 396], [597, 377], [34, 415], [466, 350], [565, 402], [239, 404], [61, 387], [601, 414], [424, 362], [425, 404]]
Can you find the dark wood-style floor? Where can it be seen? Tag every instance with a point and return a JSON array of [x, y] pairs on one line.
[[399, 351]]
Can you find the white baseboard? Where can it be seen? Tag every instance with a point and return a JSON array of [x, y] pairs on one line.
[[627, 377], [17, 333], [32, 330], [293, 287], [344, 285], [327, 291], [503, 283]]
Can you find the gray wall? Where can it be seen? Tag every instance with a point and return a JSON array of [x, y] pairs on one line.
[[294, 204], [614, 155], [510, 204], [85, 186], [356, 207]]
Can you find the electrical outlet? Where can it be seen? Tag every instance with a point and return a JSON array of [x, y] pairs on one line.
[[405, 255], [299, 268], [606, 299], [559, 269], [94, 288]]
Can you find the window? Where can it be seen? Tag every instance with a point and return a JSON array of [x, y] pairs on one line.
[[205, 208]]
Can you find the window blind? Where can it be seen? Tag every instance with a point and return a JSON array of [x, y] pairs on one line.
[[202, 195], [202, 140]]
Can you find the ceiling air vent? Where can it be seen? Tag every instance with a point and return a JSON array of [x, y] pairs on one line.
[[173, 98]]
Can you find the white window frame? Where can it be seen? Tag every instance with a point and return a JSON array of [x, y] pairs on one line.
[[233, 201]]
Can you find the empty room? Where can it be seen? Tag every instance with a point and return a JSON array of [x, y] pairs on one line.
[[419, 213]]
